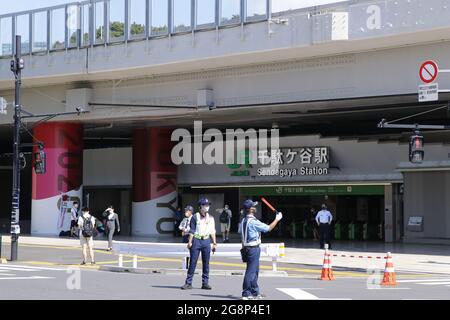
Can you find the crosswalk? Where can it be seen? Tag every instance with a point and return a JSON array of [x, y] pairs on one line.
[[21, 272]]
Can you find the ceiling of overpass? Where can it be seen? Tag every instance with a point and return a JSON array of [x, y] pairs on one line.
[[350, 118]]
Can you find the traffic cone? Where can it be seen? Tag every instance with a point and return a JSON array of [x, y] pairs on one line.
[[389, 272], [327, 272]]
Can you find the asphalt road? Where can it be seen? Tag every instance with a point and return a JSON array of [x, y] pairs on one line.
[[53, 273]]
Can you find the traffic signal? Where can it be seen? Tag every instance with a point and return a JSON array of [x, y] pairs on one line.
[[39, 162], [416, 151]]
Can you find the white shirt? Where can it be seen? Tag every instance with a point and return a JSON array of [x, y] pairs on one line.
[[184, 225], [324, 216], [205, 226], [73, 213]]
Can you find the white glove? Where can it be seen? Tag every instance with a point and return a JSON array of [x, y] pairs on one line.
[[279, 216]]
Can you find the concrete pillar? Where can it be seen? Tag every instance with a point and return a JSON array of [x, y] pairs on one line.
[[54, 192], [154, 182]]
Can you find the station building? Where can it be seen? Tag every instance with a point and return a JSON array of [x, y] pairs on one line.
[[323, 76]]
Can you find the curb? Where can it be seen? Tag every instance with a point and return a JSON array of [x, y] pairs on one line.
[[183, 272]]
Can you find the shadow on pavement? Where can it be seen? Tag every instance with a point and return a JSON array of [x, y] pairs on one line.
[[168, 287]]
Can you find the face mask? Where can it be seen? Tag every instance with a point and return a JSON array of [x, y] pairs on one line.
[[206, 208]]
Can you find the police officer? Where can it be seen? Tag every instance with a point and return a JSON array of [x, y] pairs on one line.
[[201, 229], [251, 239], [185, 224], [323, 219]]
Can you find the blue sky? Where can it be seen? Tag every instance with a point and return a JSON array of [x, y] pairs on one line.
[[8, 6]]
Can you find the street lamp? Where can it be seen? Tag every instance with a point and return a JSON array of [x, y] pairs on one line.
[[17, 65]]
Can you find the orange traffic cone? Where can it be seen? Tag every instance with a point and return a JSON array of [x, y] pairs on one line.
[[327, 272], [389, 272]]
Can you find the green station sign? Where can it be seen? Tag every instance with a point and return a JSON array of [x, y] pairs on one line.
[[313, 190]]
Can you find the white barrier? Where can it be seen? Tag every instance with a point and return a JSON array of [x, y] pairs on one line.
[[150, 249]]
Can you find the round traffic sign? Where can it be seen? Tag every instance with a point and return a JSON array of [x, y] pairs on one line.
[[428, 71]]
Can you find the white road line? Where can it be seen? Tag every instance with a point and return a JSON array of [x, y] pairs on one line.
[[434, 283], [7, 274], [298, 294], [35, 268], [17, 269], [27, 278], [424, 280]]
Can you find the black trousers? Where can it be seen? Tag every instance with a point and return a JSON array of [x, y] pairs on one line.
[[324, 230]]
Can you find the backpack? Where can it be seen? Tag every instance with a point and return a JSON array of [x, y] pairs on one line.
[[224, 217], [88, 228]]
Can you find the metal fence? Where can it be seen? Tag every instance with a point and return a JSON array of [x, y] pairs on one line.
[[103, 22]]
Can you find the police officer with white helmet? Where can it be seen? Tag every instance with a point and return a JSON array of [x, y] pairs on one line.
[[202, 228]]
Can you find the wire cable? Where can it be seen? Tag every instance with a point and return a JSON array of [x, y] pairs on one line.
[[419, 114]]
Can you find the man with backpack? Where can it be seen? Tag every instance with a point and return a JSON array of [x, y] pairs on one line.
[[225, 223], [86, 225]]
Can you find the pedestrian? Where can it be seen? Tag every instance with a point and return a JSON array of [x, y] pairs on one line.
[[74, 219], [251, 239], [202, 228], [86, 225], [313, 224], [323, 219], [112, 223], [185, 224], [225, 223]]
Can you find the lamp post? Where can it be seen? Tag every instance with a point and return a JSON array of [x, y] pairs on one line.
[[16, 67]]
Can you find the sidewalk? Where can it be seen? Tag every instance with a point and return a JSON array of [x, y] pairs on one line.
[[406, 257]]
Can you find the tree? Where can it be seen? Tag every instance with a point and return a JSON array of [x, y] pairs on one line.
[[137, 29]]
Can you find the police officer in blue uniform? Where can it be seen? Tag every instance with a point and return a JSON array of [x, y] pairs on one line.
[[201, 230], [251, 239]]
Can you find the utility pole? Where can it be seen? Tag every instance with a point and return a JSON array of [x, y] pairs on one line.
[[16, 67]]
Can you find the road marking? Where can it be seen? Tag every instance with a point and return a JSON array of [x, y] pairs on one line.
[[424, 280], [20, 267], [7, 274], [298, 294], [434, 283], [27, 278], [16, 269]]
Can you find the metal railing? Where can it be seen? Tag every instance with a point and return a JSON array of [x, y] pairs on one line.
[[102, 22]]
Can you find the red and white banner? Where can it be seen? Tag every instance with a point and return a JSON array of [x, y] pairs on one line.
[[154, 182], [54, 192]]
